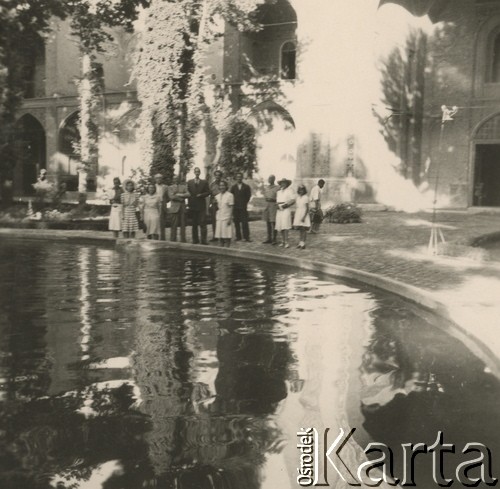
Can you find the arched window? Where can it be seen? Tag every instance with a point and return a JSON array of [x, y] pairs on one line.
[[288, 60], [495, 59]]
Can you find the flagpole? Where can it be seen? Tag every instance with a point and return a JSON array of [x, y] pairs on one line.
[[437, 236]]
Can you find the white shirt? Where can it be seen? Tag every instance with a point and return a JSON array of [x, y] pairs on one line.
[[315, 194]]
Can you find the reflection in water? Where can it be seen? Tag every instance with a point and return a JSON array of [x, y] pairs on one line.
[[142, 368]]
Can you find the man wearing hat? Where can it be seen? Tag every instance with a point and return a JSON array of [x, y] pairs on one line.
[[162, 191]]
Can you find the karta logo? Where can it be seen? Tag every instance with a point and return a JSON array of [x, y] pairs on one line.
[[317, 458]]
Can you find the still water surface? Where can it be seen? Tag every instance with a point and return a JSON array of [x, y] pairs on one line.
[[131, 368]]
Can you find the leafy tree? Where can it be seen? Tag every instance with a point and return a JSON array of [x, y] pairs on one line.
[[238, 148], [163, 158], [169, 70], [21, 23], [403, 93]]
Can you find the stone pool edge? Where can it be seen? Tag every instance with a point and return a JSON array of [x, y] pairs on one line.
[[463, 330], [416, 295]]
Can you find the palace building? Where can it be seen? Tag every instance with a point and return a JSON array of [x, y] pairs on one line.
[[379, 98]]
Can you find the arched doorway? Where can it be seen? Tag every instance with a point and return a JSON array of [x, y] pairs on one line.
[[30, 150], [276, 145], [67, 145], [486, 191]]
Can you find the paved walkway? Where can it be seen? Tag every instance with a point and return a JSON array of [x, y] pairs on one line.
[[394, 245]]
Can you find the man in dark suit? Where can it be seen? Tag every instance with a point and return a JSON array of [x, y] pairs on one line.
[[198, 192], [242, 194]]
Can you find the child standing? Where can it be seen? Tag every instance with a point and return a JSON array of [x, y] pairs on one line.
[[130, 202], [301, 220], [224, 215]]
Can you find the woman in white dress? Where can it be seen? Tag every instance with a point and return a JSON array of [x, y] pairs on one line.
[[224, 215], [116, 215], [301, 220], [285, 198], [150, 212]]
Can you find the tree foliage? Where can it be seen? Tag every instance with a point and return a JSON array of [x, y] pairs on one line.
[[238, 148], [169, 72], [169, 69], [22, 23], [163, 158], [403, 92], [91, 21]]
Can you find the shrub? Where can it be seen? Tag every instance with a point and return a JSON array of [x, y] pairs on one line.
[[343, 213]]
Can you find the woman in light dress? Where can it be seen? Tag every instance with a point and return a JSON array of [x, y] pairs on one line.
[[130, 202], [116, 215], [301, 220], [224, 215], [150, 212], [285, 198]]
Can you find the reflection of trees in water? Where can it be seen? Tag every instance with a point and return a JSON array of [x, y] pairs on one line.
[[398, 363], [253, 369], [417, 380], [253, 361], [160, 370], [41, 436], [188, 432], [24, 364], [200, 438], [48, 436]]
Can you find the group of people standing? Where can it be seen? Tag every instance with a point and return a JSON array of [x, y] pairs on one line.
[[167, 201], [130, 211], [227, 205], [278, 212]]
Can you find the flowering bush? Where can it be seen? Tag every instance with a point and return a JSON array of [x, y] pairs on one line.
[[55, 215], [343, 213]]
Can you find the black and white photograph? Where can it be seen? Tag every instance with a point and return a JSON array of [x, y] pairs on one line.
[[249, 244]]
